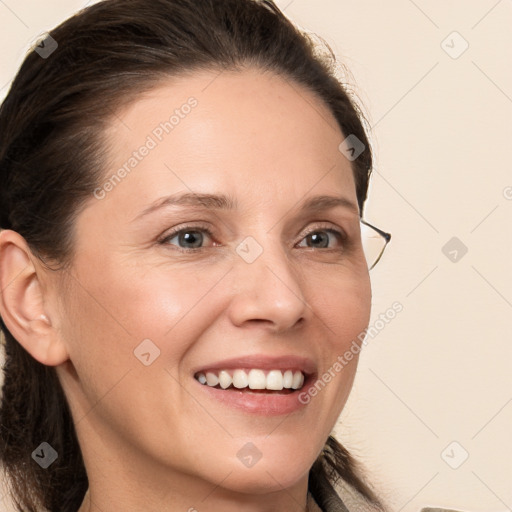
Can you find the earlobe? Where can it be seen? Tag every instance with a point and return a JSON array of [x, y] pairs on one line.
[[22, 301]]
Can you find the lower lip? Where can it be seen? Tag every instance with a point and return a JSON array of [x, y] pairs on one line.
[[271, 404]]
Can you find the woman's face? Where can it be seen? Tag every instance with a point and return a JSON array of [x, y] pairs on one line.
[[146, 309]]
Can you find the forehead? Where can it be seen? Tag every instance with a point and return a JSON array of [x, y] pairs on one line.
[[249, 133]]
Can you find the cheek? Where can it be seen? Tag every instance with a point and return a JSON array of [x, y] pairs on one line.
[[130, 304], [344, 308], [344, 305]]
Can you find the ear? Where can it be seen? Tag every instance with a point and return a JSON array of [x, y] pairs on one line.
[[23, 300]]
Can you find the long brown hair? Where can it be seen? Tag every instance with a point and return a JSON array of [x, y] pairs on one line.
[[51, 161]]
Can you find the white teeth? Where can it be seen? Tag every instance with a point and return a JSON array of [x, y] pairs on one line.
[[275, 380], [211, 379], [254, 379], [287, 379], [257, 379], [240, 379], [298, 380], [225, 379]]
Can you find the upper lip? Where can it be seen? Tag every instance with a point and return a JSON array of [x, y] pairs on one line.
[[264, 362]]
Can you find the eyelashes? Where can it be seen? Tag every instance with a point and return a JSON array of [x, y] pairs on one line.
[[187, 229], [194, 229]]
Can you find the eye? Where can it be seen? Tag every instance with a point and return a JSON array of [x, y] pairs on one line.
[[191, 236], [320, 239]]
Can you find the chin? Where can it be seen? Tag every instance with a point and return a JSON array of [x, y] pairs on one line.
[[275, 470], [265, 479]]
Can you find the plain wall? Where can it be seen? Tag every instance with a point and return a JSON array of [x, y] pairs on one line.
[[434, 383]]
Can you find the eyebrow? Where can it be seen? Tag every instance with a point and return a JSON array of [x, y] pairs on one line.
[[226, 202]]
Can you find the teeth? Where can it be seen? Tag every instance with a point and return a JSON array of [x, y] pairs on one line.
[[240, 379], [211, 379], [298, 380], [287, 379], [225, 379], [257, 379], [275, 380], [254, 379]]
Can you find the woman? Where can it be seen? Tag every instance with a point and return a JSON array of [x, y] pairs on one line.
[[143, 373]]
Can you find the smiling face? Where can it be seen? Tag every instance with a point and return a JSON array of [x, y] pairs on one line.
[[147, 310]]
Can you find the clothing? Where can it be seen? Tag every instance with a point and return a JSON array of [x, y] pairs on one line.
[[342, 498], [312, 504], [325, 499]]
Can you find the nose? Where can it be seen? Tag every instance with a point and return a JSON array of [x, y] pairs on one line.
[[267, 289]]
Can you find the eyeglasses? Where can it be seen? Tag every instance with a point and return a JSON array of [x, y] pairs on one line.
[[374, 242]]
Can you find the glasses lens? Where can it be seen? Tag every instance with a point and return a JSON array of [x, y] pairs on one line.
[[373, 244]]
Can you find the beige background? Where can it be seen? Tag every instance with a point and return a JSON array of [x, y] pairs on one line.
[[441, 130]]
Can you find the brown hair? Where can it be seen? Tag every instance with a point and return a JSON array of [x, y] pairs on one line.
[[52, 158]]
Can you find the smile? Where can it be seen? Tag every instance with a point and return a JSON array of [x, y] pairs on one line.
[[262, 384], [254, 379]]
